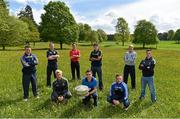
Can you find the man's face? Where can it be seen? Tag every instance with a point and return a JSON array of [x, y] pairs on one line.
[[119, 79], [149, 54], [58, 75], [73, 46], [95, 47], [130, 49], [89, 75], [51, 46], [28, 51]]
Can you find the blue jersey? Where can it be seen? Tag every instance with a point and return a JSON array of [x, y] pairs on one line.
[[91, 85], [29, 62], [119, 90]]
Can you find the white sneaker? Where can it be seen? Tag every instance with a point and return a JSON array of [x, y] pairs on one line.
[[25, 100], [37, 97]]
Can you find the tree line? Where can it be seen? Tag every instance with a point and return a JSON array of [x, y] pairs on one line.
[[58, 25]]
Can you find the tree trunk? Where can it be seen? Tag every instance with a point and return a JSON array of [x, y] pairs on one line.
[[123, 43], [3, 46], [34, 43], [61, 44], [143, 45]]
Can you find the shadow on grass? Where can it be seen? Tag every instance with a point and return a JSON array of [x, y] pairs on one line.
[[7, 102], [76, 109]]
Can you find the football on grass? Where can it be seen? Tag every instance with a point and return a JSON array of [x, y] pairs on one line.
[[81, 90]]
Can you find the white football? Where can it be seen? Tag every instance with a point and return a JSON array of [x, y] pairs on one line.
[[81, 90]]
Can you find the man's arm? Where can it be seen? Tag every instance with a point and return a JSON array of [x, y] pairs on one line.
[[24, 63]]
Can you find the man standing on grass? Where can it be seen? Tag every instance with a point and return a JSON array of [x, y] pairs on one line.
[[119, 92], [91, 82], [29, 62], [96, 63], [74, 56], [52, 57], [129, 67], [60, 88], [147, 66]]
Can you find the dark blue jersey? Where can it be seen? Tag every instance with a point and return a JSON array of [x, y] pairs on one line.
[[29, 62], [50, 53], [96, 54], [119, 90]]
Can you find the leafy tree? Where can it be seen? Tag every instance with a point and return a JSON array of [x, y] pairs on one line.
[[122, 30], [170, 35], [34, 34], [177, 36], [94, 37], [58, 24], [12, 30], [27, 13], [145, 33], [102, 35]]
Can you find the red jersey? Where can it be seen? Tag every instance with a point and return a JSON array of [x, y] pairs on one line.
[[74, 53]]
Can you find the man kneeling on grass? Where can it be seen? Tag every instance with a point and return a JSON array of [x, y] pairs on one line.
[[60, 88], [119, 92], [91, 82]]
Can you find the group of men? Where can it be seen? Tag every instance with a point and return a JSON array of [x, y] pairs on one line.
[[118, 90]]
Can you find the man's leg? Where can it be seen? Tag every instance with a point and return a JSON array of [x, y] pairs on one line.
[[49, 71], [152, 88], [73, 70], [143, 87], [126, 103], [34, 84], [133, 77], [126, 72], [99, 72], [94, 71], [55, 67], [78, 70], [68, 95], [94, 95], [86, 99], [26, 81], [54, 97]]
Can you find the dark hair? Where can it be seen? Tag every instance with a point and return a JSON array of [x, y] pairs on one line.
[[148, 50], [27, 46], [118, 75], [95, 44], [89, 70], [73, 43]]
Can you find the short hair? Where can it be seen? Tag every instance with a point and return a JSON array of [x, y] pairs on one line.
[[95, 44], [131, 45], [89, 70], [27, 46], [74, 44], [148, 50], [58, 71], [118, 75], [51, 43]]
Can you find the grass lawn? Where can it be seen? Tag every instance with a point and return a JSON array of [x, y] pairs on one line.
[[167, 83]]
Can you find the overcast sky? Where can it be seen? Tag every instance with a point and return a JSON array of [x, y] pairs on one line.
[[165, 14]]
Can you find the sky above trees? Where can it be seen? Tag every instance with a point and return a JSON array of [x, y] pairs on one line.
[[164, 14]]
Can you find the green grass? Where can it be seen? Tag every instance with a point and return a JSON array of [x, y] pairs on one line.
[[167, 83]]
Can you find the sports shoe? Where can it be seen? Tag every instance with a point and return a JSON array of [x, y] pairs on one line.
[[25, 100]]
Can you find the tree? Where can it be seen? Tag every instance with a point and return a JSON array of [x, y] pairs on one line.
[[27, 13], [122, 30], [58, 24], [170, 35], [145, 33], [177, 36], [34, 34], [12, 30], [102, 35], [93, 38]]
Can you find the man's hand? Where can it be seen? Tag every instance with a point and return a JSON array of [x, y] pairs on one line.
[[60, 98], [87, 94], [115, 102], [142, 65]]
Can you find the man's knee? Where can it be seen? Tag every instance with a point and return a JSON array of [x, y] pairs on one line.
[[68, 95]]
